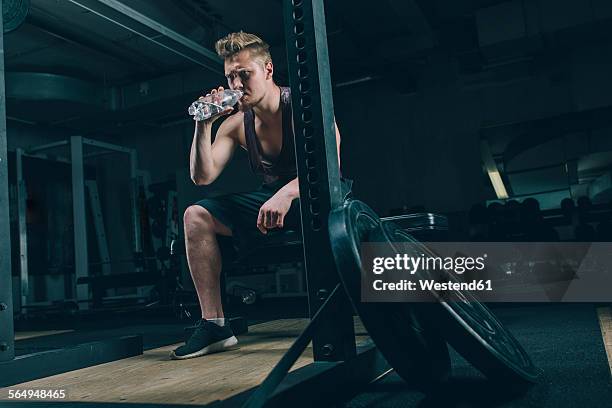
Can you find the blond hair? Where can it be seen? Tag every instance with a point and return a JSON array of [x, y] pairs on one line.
[[233, 43]]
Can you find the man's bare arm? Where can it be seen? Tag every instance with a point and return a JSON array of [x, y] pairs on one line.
[[207, 160], [291, 190], [337, 142], [272, 213]]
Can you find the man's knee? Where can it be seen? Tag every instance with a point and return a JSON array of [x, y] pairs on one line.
[[197, 219]]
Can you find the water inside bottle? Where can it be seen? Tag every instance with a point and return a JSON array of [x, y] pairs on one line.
[[203, 109]]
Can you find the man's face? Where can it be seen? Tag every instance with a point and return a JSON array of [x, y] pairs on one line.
[[248, 75]]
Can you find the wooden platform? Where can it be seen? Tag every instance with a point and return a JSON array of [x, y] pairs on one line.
[[154, 378], [605, 323]]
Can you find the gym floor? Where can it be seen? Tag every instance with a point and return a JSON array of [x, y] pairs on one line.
[[567, 341]]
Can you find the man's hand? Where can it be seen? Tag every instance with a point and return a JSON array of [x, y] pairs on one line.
[[216, 97], [272, 213]]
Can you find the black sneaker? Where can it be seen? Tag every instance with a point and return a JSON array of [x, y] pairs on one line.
[[207, 338]]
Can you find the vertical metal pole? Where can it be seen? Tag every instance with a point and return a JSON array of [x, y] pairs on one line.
[[7, 334], [170, 232], [318, 172], [135, 207], [81, 263], [98, 222], [23, 231]]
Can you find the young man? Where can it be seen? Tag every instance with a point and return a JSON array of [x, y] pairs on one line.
[[263, 127]]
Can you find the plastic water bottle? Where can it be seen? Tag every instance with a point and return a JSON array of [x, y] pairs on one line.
[[211, 105]]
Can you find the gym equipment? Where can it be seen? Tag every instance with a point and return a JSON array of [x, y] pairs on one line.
[[404, 333], [285, 246], [412, 337], [82, 191], [14, 13], [320, 197], [422, 225], [7, 338], [465, 323], [331, 327], [73, 357], [417, 353]]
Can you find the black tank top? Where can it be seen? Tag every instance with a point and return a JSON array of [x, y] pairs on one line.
[[284, 166]]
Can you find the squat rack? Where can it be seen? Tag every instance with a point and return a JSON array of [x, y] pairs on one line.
[[7, 351], [77, 163], [339, 365]]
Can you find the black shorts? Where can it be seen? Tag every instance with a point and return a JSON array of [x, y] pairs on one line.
[[239, 211]]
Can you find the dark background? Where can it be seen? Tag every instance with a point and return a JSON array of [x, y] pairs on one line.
[[430, 97]]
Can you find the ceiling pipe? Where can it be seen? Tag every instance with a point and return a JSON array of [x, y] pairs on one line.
[[493, 171], [40, 20], [39, 86], [137, 23]]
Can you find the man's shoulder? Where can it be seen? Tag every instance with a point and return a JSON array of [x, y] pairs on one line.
[[233, 125]]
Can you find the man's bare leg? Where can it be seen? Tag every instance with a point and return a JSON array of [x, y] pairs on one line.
[[204, 258], [211, 335]]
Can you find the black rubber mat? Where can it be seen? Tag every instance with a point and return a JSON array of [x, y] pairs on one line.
[[564, 340]]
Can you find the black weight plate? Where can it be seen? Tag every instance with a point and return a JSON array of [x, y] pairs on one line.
[[14, 13], [468, 325], [417, 355]]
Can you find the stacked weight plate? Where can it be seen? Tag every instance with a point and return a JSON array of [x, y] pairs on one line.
[[413, 336], [418, 355], [14, 13]]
